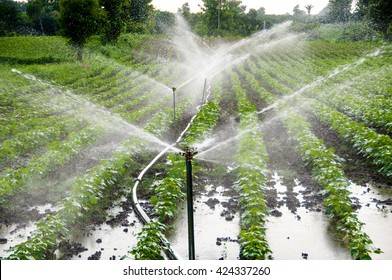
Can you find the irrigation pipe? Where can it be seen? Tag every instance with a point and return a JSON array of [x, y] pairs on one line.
[[140, 213]]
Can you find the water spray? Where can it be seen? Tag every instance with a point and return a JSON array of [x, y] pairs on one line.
[[204, 90], [188, 154]]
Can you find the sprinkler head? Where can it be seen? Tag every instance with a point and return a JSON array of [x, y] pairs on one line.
[[189, 153]]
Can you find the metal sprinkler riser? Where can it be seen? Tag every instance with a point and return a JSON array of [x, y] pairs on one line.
[[188, 154]]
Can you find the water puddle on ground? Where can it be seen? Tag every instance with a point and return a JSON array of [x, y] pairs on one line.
[[216, 226], [111, 240], [304, 234], [376, 213], [105, 242], [16, 233], [12, 235]]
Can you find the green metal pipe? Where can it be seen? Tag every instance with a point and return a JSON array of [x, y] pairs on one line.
[[174, 104], [191, 232]]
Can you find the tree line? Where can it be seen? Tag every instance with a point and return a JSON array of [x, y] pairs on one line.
[[80, 19], [43, 17], [216, 17], [376, 13]]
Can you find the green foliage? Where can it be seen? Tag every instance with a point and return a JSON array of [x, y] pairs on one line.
[[42, 243], [163, 20], [358, 31], [79, 19], [149, 242], [57, 155], [380, 13], [34, 50], [10, 18], [170, 191], [114, 22], [298, 14], [231, 19], [374, 146], [252, 180], [329, 32], [339, 10], [307, 27], [389, 32], [140, 10], [327, 170], [253, 245]]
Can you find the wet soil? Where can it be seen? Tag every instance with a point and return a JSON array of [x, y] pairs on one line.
[[211, 175], [286, 161], [357, 168], [68, 249]]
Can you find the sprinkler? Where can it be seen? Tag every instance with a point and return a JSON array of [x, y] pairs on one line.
[[174, 103], [189, 153]]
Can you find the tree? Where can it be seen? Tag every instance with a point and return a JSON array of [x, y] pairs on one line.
[[309, 8], [253, 20], [163, 20], [114, 22], [222, 16], [10, 17], [138, 16], [261, 12], [380, 13], [340, 10], [140, 10], [298, 14], [34, 10], [79, 20], [43, 15], [361, 9], [185, 11]]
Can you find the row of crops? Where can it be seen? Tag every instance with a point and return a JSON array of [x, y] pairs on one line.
[[57, 111]]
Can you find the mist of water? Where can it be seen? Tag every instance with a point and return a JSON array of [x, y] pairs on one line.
[[338, 70], [198, 64], [216, 150], [140, 76], [94, 114]]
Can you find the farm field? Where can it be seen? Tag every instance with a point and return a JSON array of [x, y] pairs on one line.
[[293, 139]]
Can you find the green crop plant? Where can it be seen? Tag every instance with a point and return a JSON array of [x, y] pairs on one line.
[[171, 190], [374, 146], [42, 244], [327, 170], [149, 245], [252, 179]]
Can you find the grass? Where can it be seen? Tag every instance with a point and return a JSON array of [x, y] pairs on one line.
[[34, 50]]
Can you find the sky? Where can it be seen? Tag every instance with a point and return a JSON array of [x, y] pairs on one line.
[[271, 6]]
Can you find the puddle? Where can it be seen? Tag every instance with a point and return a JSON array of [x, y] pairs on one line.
[[376, 213], [111, 240], [216, 227], [14, 234], [111, 243], [46, 208], [306, 234], [303, 234]]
